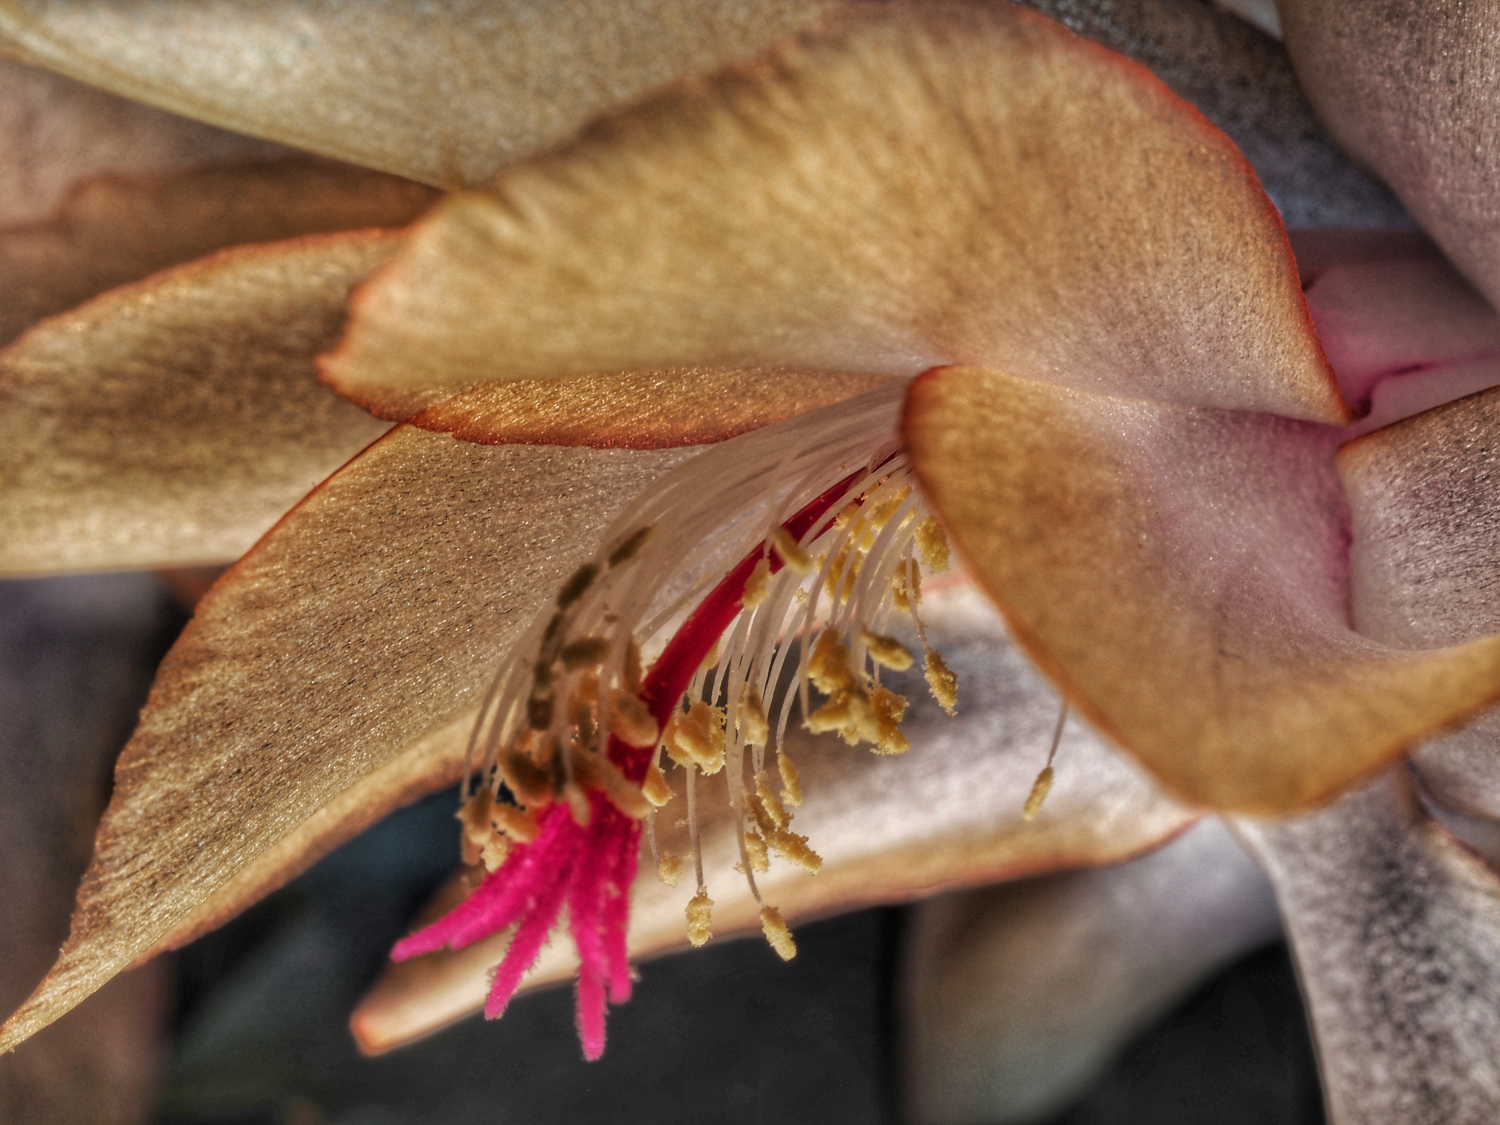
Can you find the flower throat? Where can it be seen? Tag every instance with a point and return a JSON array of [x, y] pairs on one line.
[[794, 543]]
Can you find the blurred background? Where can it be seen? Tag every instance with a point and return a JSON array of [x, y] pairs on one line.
[[248, 1025]]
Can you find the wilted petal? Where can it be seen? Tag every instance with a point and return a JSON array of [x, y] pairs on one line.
[[1014, 998], [445, 92], [947, 813], [174, 421], [913, 187], [332, 675], [56, 133], [1396, 931], [1409, 89], [1181, 573], [1425, 498], [120, 228], [75, 658]]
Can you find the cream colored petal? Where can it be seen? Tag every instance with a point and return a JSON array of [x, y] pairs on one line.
[[917, 185], [174, 421], [446, 92], [948, 813], [75, 659], [1425, 499], [1181, 572], [1015, 998], [1409, 89], [332, 675], [56, 133], [118, 229], [1396, 931]]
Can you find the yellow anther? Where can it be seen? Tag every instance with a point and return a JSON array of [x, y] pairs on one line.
[[828, 664], [539, 711], [889, 709], [849, 713], [795, 558], [933, 545], [711, 659], [777, 933], [585, 652], [697, 738], [755, 848], [655, 787], [516, 823], [942, 683], [475, 818], [1039, 792], [531, 784], [630, 721], [494, 852], [594, 771], [668, 868], [903, 599], [791, 780], [842, 574], [758, 585], [888, 652], [881, 513], [773, 807], [581, 715], [587, 688], [799, 595], [793, 848], [751, 718], [700, 918]]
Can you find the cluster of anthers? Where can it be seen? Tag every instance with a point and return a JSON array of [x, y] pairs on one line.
[[664, 650]]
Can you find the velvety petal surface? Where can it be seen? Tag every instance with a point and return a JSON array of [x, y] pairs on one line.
[[446, 92], [118, 229], [75, 661], [946, 813], [175, 420], [406, 574], [1425, 499], [1409, 88], [1396, 931], [914, 186], [1014, 998], [57, 133], [1181, 573]]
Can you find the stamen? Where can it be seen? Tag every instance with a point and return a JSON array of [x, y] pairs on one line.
[[1043, 784], [708, 573]]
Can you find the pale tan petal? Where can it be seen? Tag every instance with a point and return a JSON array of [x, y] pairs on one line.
[[918, 185], [1015, 998], [1410, 90], [119, 229], [445, 92], [332, 675], [1181, 573], [75, 659], [948, 813], [56, 133], [174, 421], [1396, 931], [1425, 498]]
